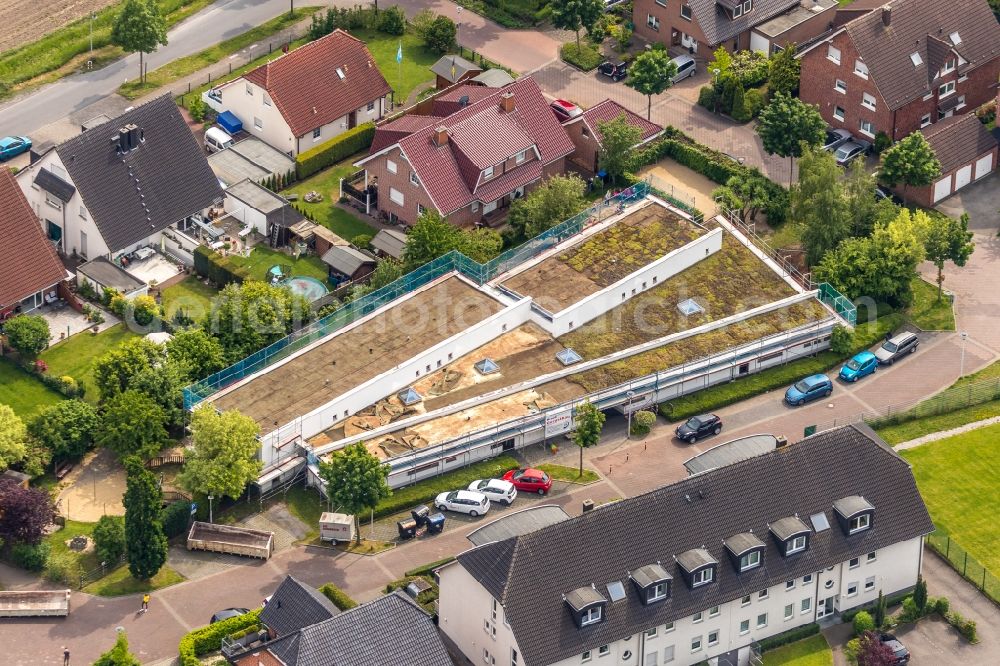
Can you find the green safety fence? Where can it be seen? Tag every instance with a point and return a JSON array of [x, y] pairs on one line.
[[838, 302]]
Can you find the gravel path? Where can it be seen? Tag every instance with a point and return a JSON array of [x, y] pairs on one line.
[[934, 436]]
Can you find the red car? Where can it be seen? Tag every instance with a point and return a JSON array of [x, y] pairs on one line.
[[529, 480], [564, 110]]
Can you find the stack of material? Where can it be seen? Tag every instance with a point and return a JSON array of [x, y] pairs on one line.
[[541, 401], [446, 382]]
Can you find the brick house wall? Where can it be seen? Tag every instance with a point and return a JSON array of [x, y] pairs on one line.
[[673, 27], [924, 196], [586, 147]]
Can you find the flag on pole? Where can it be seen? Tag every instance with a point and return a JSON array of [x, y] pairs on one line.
[[399, 52], [453, 68]]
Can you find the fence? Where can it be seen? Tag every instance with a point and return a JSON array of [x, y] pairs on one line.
[[88, 577], [968, 566]]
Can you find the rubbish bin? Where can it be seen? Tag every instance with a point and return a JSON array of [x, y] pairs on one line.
[[435, 523], [407, 528], [420, 514]]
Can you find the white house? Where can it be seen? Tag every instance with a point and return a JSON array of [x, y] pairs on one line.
[[309, 95], [700, 569]]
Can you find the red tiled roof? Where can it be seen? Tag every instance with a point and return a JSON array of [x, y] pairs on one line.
[[391, 132], [305, 85], [959, 140], [449, 172], [28, 262], [448, 102], [492, 190], [609, 110]]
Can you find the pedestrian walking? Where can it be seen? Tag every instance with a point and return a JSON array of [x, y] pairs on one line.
[[65, 656], [145, 602]]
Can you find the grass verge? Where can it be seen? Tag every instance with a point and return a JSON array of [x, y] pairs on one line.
[[927, 311], [904, 432], [182, 67], [569, 474], [306, 505], [120, 582], [23, 393], [366, 547], [585, 58], [812, 651], [58, 549], [77, 356], [992, 371]]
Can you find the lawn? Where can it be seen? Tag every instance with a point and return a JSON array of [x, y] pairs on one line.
[[120, 582], [57, 542], [262, 258], [956, 477], [191, 295], [812, 651], [76, 356], [306, 505], [327, 182], [904, 432], [569, 474], [927, 311], [23, 393], [403, 77], [992, 371]]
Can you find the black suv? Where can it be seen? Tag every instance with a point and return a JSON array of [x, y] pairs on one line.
[[697, 427], [614, 71]]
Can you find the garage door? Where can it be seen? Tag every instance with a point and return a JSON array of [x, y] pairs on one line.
[[963, 176], [983, 166], [942, 188]]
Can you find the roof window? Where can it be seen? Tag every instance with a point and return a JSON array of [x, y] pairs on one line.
[[916, 59], [487, 366], [955, 38], [568, 356], [819, 522], [616, 591], [340, 73], [690, 307], [409, 396]]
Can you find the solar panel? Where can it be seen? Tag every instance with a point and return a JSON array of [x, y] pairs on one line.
[[689, 307], [616, 591], [819, 521], [568, 356]]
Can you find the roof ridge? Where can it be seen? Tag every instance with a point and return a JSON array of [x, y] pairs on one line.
[[510, 569]]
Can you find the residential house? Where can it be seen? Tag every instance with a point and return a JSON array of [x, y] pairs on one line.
[[470, 164], [698, 570], [250, 158], [701, 26], [451, 69], [294, 606], [585, 132], [115, 188], [29, 268], [799, 25], [967, 152], [904, 66], [310, 95]]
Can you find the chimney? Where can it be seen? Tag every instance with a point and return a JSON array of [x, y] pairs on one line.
[[780, 442], [440, 136], [123, 139], [507, 102], [133, 135], [886, 15]]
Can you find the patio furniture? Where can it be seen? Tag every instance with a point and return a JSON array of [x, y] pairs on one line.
[[51, 297], [144, 253]]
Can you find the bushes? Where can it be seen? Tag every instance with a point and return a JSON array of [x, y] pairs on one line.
[[739, 110], [848, 615], [754, 101], [797, 634], [336, 149], [440, 36], [392, 21], [965, 627], [863, 622], [218, 269], [338, 597], [428, 569], [209, 639], [176, 519], [586, 57], [109, 538], [63, 567], [707, 98], [31, 557], [642, 422], [362, 241]]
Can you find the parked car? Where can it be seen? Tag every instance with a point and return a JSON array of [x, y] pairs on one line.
[[861, 364], [229, 613], [897, 346], [898, 649], [882, 193], [12, 146], [616, 71], [685, 67], [529, 480], [849, 151], [497, 490], [565, 110], [697, 427], [835, 137], [810, 388], [217, 139], [463, 501]]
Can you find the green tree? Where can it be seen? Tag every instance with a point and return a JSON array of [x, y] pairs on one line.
[[576, 15], [558, 198], [114, 371], [910, 162], [440, 35], [650, 74], [109, 538], [863, 622], [878, 613], [197, 352], [66, 428], [818, 204], [145, 543], [223, 457], [859, 202], [249, 316], [618, 138], [164, 385], [386, 272], [36, 458], [27, 334], [431, 237], [480, 244], [355, 481], [920, 594], [746, 195], [787, 124], [133, 425], [139, 27], [948, 239], [13, 436], [589, 421], [119, 654], [783, 71], [722, 60]]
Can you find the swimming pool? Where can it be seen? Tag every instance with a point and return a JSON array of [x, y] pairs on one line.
[[310, 288]]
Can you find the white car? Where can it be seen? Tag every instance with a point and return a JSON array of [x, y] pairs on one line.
[[497, 490], [463, 501]]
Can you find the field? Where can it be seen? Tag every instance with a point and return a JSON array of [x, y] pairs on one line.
[[23, 393], [27, 20], [808, 652], [76, 356]]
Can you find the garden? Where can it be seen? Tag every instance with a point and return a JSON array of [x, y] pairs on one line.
[[813, 651], [77, 355]]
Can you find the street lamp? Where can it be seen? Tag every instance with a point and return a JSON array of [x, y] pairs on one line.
[[961, 371], [210, 498], [628, 433]]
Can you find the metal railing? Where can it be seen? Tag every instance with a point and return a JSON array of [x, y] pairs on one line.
[[966, 565], [88, 577]]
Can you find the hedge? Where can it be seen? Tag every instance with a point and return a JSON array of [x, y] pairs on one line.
[[209, 639], [326, 154], [338, 597], [209, 263], [176, 519], [428, 569], [585, 58], [789, 636]]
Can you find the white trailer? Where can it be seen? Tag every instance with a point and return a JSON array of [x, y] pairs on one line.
[[336, 527]]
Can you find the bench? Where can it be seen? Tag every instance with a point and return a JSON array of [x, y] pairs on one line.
[[63, 468]]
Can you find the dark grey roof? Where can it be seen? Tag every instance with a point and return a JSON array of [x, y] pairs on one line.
[[730, 452], [718, 26], [695, 558], [742, 542], [805, 477], [958, 140], [461, 66], [295, 605], [50, 182], [390, 241], [107, 274], [853, 505], [648, 574], [134, 195], [518, 523], [582, 597], [388, 631], [787, 527], [346, 259]]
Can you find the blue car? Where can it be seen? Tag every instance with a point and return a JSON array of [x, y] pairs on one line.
[[862, 364], [810, 388], [12, 146]]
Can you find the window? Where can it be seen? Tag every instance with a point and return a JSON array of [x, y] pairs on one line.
[[828, 584], [789, 584], [833, 53], [871, 556], [520, 156], [852, 589], [604, 650], [798, 543], [863, 521], [806, 605], [413, 178], [744, 627], [737, 11], [808, 578], [762, 620], [925, 120], [928, 96], [651, 658], [585, 657], [340, 73], [762, 594], [838, 113], [258, 123], [861, 69], [747, 6], [696, 644], [869, 583], [584, 131], [946, 89], [420, 211], [667, 628], [750, 560], [868, 101], [657, 592], [264, 98], [371, 107], [789, 611], [653, 22], [83, 212], [713, 638], [395, 196], [474, 207], [626, 655], [949, 66], [390, 166], [865, 127], [662, 3], [696, 618], [591, 616], [961, 101], [53, 201], [317, 133], [668, 654], [250, 90], [651, 633], [840, 87], [854, 563], [487, 173], [686, 12], [916, 59], [702, 577], [713, 611], [745, 601]]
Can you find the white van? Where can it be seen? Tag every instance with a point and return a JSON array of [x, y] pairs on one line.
[[217, 139]]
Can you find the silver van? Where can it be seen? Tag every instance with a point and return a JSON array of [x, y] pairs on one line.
[[685, 68], [217, 139]]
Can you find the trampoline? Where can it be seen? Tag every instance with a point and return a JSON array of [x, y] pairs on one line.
[[308, 287]]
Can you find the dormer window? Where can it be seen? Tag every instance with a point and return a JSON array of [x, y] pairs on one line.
[[698, 566], [859, 523], [791, 534], [587, 605], [797, 544], [854, 513], [652, 582], [750, 560], [590, 616], [487, 173], [520, 157], [656, 592], [746, 550], [702, 577], [949, 66]]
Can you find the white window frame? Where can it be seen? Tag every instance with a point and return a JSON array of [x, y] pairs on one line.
[[687, 16], [413, 178], [947, 88], [513, 657], [925, 120], [702, 577], [833, 53], [487, 173], [656, 592], [420, 211], [872, 556], [805, 606], [841, 115], [651, 632], [258, 123], [745, 601], [840, 86], [696, 644], [808, 578], [763, 594], [712, 643], [865, 518], [697, 617], [391, 167], [652, 22], [317, 133], [265, 99], [854, 563], [521, 156], [397, 197], [83, 211], [868, 101], [961, 102], [604, 651], [870, 132], [713, 611], [852, 589], [869, 583], [789, 611], [668, 654], [744, 627], [750, 560], [370, 108], [250, 89], [662, 3], [668, 627], [585, 657], [747, 6], [794, 546], [861, 69], [761, 625], [737, 11], [949, 66], [590, 616]]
